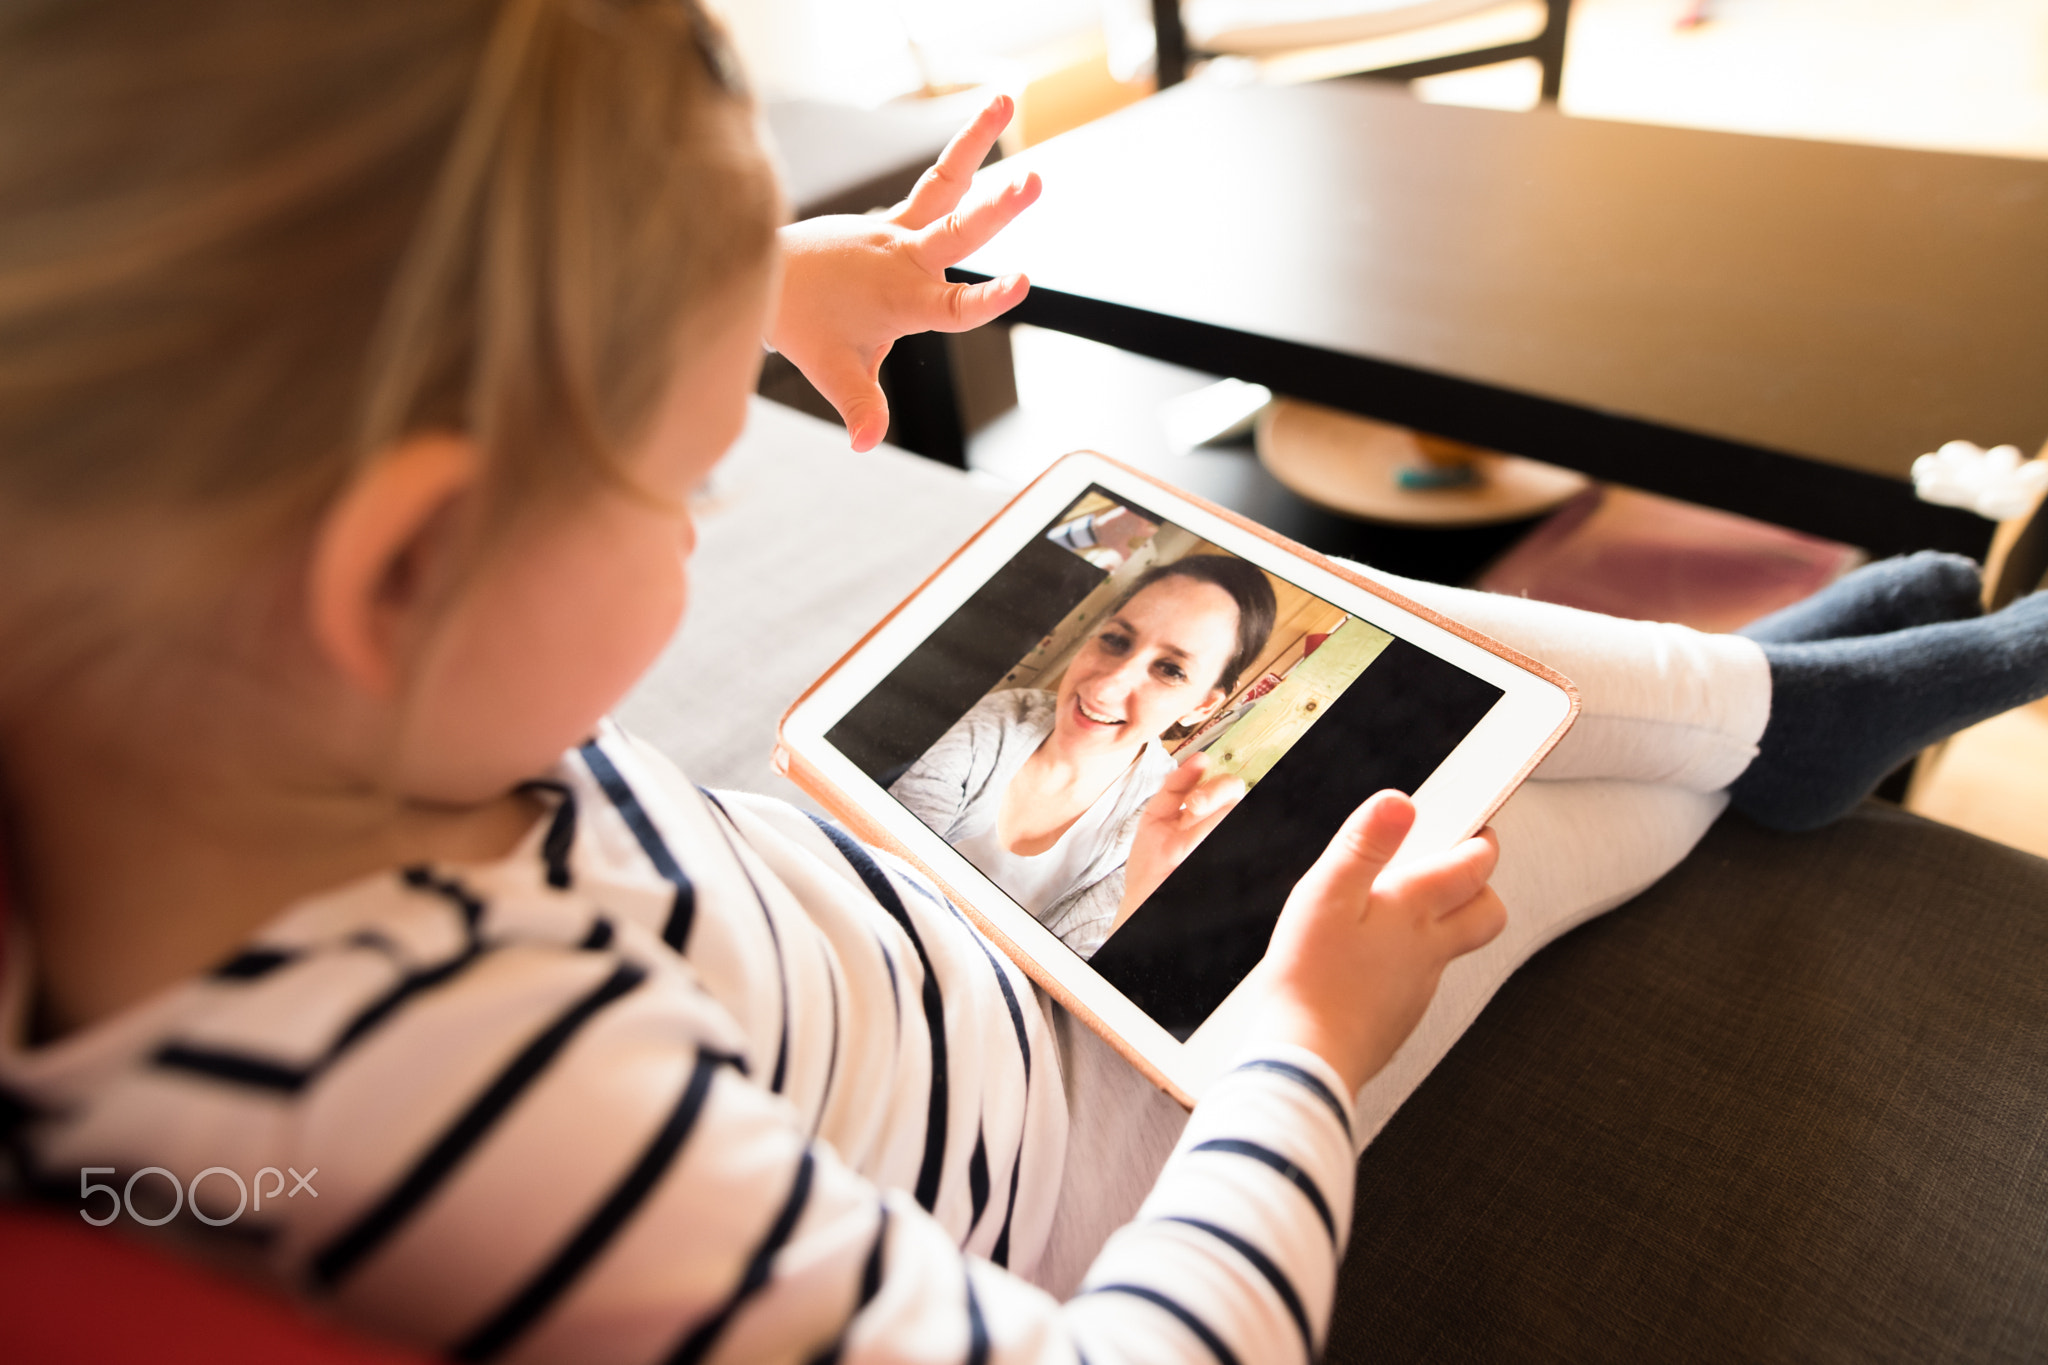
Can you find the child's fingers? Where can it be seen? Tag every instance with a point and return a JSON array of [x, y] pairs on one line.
[[964, 231], [1473, 924], [940, 188], [967, 306], [1438, 885]]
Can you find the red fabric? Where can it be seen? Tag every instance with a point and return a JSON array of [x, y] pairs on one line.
[[70, 1294]]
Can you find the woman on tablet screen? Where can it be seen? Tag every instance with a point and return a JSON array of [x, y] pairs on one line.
[[1066, 799]]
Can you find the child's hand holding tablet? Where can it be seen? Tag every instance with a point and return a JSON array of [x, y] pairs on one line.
[[1353, 933], [1122, 725]]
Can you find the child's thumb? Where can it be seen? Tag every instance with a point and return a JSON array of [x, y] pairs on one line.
[[859, 400], [855, 393], [867, 420], [1365, 843]]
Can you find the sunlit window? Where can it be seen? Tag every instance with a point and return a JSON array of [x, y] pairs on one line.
[[866, 52]]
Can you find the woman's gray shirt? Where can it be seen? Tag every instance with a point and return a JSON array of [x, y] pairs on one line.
[[957, 787]]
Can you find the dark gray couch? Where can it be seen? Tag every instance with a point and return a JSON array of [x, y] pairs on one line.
[[1790, 1104]]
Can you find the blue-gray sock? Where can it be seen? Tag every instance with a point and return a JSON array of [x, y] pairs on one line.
[[1892, 594], [1846, 712]]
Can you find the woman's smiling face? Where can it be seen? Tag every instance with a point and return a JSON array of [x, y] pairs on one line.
[[1156, 663]]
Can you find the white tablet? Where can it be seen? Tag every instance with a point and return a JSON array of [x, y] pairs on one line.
[[1120, 722]]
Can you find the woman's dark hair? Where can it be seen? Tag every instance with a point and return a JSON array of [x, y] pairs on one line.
[[1248, 587]]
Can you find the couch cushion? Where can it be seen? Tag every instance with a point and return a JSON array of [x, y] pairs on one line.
[[1790, 1103]]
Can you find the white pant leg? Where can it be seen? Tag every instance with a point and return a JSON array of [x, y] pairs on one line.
[[1659, 703], [1568, 851], [1669, 716]]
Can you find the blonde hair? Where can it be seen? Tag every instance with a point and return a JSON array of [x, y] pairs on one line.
[[245, 244]]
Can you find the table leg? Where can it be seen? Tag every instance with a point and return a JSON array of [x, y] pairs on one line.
[[924, 408]]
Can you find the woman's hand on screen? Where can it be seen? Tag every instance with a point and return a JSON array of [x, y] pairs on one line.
[[1358, 949], [1179, 816], [853, 284]]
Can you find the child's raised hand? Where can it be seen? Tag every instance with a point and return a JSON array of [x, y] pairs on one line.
[[852, 284], [1357, 952]]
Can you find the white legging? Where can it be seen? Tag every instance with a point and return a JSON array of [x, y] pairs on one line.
[[1669, 717]]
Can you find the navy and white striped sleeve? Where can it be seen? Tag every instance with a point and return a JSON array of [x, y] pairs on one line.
[[1233, 1258], [541, 1133], [767, 1247], [645, 1200]]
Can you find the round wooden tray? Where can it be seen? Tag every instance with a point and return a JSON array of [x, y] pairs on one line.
[[1351, 464]]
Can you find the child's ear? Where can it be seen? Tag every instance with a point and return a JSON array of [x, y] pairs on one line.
[[379, 551]]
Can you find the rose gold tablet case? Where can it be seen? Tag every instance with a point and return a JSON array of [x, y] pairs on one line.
[[802, 772]]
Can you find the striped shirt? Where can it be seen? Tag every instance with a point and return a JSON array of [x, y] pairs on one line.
[[687, 1076]]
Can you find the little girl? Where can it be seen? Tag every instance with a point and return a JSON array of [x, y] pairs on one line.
[[357, 360]]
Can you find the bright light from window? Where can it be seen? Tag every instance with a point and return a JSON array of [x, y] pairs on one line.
[[865, 52]]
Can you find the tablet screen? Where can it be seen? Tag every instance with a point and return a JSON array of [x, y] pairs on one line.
[[1145, 740]]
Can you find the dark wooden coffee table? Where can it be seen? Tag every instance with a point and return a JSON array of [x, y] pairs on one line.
[[1767, 325]]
